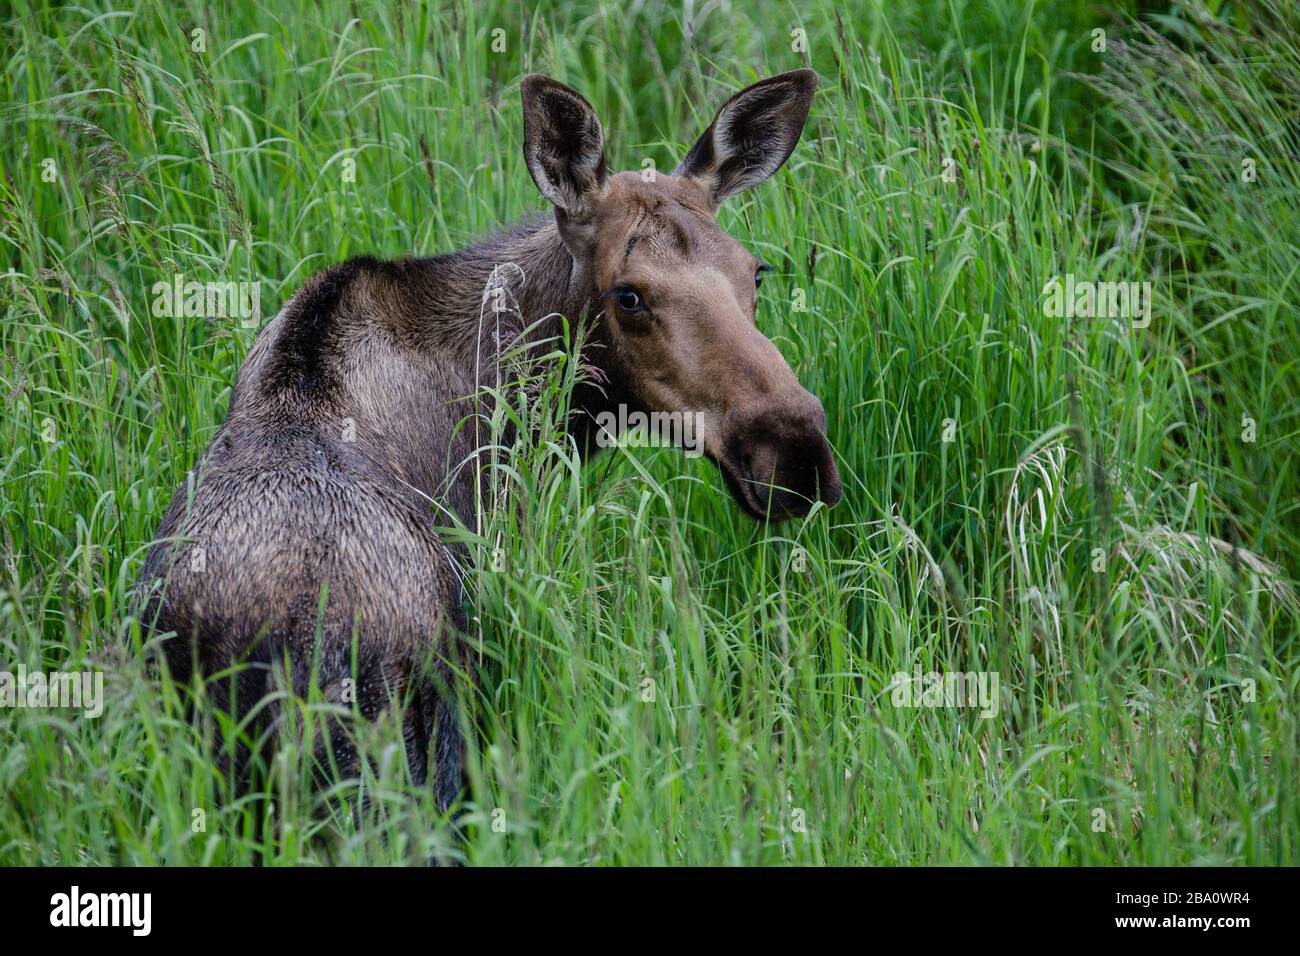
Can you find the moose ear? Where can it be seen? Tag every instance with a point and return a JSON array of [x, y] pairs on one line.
[[564, 145], [752, 135]]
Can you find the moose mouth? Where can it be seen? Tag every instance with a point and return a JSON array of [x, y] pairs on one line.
[[769, 500], [776, 461], [744, 489]]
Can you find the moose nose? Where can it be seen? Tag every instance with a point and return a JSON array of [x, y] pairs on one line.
[[781, 457]]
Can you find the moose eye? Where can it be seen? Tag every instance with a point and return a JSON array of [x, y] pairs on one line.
[[627, 300], [758, 274]]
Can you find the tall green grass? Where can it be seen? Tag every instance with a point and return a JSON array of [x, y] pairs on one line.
[[1068, 503]]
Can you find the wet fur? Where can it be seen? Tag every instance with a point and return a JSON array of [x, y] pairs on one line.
[[282, 505], [316, 509]]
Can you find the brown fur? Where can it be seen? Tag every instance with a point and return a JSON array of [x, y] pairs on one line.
[[341, 443]]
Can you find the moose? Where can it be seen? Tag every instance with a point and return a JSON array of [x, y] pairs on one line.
[[306, 545]]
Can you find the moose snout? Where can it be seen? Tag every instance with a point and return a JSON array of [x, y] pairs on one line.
[[777, 459]]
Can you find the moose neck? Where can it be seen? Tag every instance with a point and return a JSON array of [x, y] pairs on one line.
[[515, 283], [393, 357], [460, 323], [517, 288]]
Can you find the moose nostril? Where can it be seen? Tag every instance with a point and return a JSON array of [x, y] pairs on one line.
[[780, 456]]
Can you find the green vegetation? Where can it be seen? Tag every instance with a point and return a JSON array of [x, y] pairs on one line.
[[1102, 512]]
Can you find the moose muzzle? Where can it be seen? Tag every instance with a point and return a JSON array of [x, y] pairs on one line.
[[776, 459]]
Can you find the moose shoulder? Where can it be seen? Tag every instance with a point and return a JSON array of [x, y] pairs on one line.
[[305, 546]]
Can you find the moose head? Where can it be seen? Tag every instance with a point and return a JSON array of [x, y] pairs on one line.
[[677, 296]]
